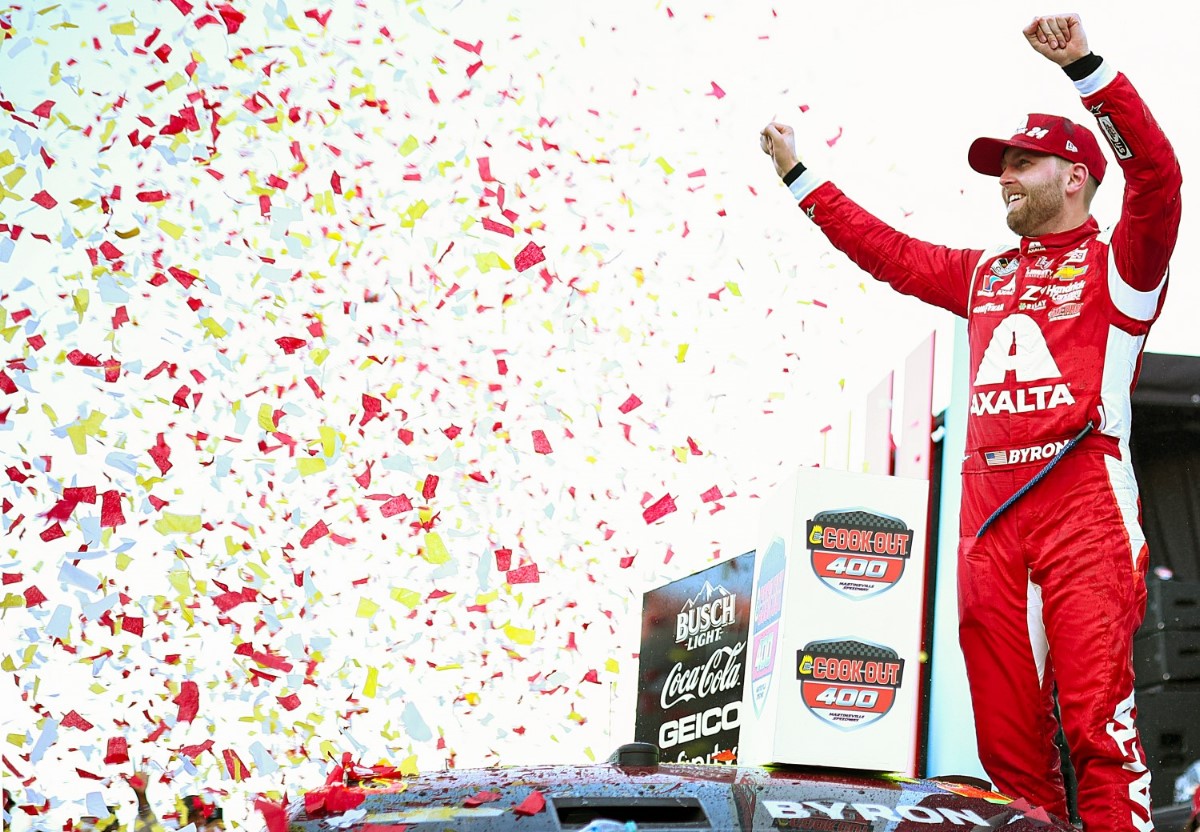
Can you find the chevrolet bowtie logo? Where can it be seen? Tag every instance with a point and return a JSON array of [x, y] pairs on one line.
[[1070, 272]]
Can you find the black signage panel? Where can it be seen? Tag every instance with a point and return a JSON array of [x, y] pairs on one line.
[[693, 663]]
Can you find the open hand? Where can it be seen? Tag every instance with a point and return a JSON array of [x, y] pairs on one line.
[[1059, 37], [779, 142]]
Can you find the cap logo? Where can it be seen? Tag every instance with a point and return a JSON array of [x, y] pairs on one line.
[[1071, 146], [1037, 132]]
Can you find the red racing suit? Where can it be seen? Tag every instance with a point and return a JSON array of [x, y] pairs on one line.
[[1054, 590]]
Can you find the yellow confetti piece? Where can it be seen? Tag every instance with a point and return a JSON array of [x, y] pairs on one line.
[[370, 687], [435, 549], [126, 28], [214, 328], [329, 438], [681, 355], [519, 635], [177, 523], [612, 666], [472, 698], [10, 601], [123, 561], [733, 288], [90, 426], [591, 755], [408, 766], [180, 581], [490, 260], [408, 597], [171, 229], [366, 608], [662, 163], [266, 418], [308, 465], [80, 301]]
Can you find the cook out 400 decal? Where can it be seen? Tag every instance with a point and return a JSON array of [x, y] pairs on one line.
[[858, 553], [848, 683]]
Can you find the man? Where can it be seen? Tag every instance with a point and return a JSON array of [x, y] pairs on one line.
[[1051, 584]]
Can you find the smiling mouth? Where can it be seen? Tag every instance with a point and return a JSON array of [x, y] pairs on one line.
[[1013, 199]]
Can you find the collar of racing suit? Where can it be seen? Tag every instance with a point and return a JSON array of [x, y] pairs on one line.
[[1060, 239]]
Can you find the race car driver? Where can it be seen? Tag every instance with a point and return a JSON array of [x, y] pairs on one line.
[[1052, 558]]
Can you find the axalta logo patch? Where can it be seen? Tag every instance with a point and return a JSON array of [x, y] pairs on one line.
[[1016, 456], [848, 683], [858, 553], [1018, 347]]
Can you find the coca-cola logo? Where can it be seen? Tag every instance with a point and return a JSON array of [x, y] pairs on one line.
[[721, 673]]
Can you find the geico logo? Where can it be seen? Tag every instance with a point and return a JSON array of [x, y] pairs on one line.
[[694, 726], [1021, 400], [784, 809], [1017, 346]]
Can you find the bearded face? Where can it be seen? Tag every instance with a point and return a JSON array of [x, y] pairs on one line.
[[1032, 206]]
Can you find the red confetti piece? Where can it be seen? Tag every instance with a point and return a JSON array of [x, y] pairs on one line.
[[34, 597], [44, 200], [660, 509], [631, 403], [7, 385], [503, 559], [228, 600], [118, 751], [529, 257], [43, 110], [13, 578], [694, 448], [274, 814], [592, 676], [290, 702], [717, 92], [151, 196], [133, 625], [161, 454], [74, 720], [531, 805], [110, 509], [498, 227], [238, 770], [320, 17], [396, 505], [479, 798], [429, 489], [541, 444], [485, 169], [711, 494], [314, 534], [188, 701], [194, 751], [232, 17], [289, 344], [183, 5], [186, 279], [527, 574], [834, 140]]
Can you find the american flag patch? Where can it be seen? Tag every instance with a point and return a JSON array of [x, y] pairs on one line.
[[996, 457]]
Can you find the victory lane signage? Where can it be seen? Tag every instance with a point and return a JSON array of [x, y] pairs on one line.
[[692, 663], [848, 683], [858, 553]]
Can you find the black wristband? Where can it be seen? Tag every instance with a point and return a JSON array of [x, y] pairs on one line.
[[794, 174], [1082, 68]]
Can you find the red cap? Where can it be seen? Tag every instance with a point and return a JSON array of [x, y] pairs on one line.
[[1044, 134]]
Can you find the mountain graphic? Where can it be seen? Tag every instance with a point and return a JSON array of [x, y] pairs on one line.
[[705, 595]]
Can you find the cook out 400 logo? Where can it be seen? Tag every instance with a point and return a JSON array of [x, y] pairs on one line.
[[858, 553], [849, 683]]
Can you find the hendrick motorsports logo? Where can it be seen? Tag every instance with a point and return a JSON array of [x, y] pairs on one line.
[[858, 553], [848, 683]]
